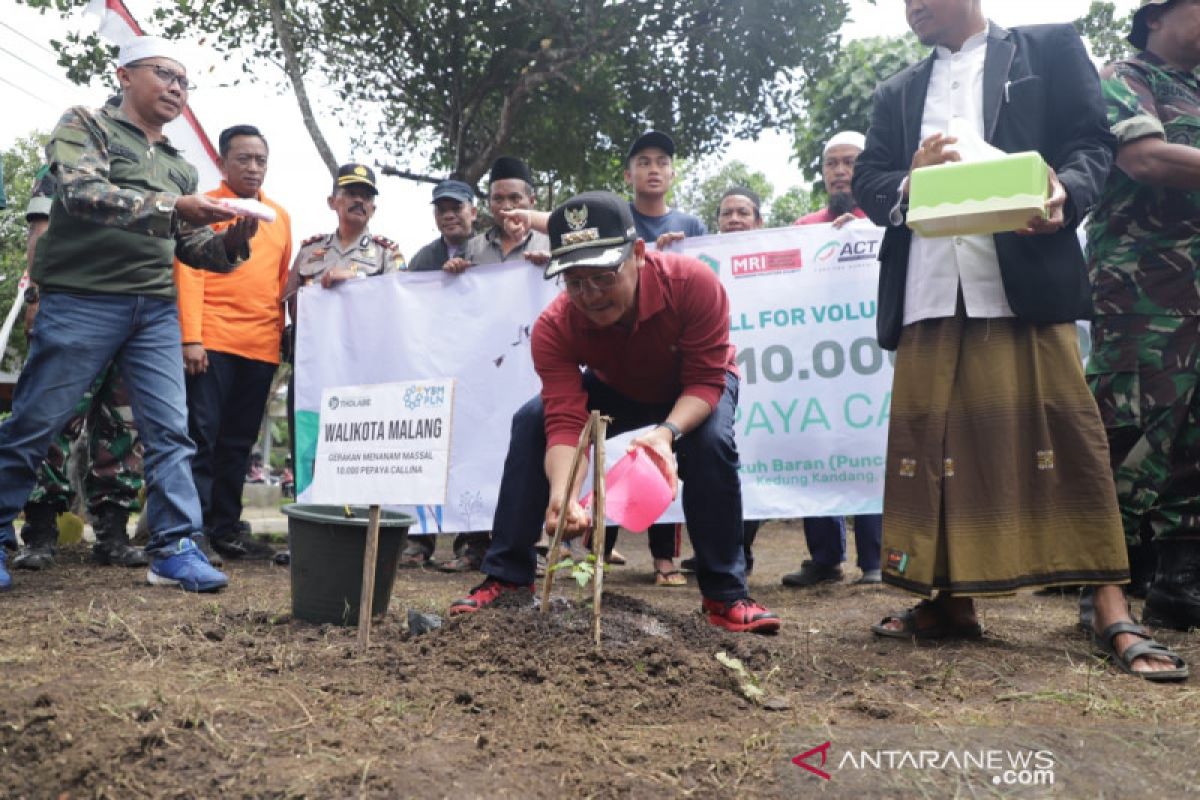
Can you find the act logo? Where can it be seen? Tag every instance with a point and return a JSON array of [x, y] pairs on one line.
[[333, 403], [802, 760], [828, 250]]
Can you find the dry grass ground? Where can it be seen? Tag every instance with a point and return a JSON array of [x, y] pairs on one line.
[[112, 689]]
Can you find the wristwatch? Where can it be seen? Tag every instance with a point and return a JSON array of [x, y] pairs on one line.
[[673, 428], [32, 295]]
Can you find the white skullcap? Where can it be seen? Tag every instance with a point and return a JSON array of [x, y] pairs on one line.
[[847, 137], [147, 47]]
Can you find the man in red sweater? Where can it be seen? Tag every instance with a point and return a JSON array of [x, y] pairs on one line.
[[231, 331], [651, 332]]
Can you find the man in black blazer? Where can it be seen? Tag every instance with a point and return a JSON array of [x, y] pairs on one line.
[[997, 475]]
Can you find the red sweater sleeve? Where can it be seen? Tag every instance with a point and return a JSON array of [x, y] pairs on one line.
[[562, 382], [704, 341]]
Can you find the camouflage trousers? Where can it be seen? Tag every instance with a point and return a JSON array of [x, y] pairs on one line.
[[1144, 372], [114, 451]]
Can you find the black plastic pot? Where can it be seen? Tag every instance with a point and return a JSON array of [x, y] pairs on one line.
[[327, 557]]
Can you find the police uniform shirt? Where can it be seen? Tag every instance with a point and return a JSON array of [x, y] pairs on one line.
[[370, 255]]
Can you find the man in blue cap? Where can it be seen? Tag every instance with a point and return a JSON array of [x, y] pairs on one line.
[[454, 214]]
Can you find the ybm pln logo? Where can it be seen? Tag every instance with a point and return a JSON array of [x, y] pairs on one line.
[[424, 396]]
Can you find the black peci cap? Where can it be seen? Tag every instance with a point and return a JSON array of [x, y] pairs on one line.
[[506, 167], [593, 229]]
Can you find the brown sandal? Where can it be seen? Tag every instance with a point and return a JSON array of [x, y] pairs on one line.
[[669, 578]]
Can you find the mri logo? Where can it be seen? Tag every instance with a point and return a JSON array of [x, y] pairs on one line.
[[751, 264], [828, 250]]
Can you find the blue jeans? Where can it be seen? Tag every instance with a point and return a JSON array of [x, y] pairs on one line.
[[74, 337], [826, 539], [708, 466]]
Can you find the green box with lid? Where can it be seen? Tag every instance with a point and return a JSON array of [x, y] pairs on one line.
[[978, 197]]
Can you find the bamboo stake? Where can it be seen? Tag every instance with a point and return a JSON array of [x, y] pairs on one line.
[[556, 543], [367, 598], [598, 524]]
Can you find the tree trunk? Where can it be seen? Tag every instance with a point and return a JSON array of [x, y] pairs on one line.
[[295, 74]]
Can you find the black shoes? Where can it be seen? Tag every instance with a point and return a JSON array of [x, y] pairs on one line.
[[812, 574], [39, 537], [241, 544], [112, 545], [1174, 597]]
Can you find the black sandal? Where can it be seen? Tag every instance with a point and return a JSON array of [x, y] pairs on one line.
[[1103, 642], [941, 628]]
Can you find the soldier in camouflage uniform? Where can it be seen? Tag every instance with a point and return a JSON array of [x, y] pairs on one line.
[[1144, 254], [114, 476]]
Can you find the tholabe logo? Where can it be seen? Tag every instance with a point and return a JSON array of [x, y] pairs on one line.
[[745, 266], [336, 402], [1021, 767]]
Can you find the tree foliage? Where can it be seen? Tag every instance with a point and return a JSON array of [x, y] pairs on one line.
[[840, 99], [699, 192], [789, 207], [564, 83], [21, 163], [1104, 32]]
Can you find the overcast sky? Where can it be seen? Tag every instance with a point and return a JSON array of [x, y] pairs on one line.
[[35, 88]]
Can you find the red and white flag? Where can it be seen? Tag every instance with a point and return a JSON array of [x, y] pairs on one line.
[[118, 26]]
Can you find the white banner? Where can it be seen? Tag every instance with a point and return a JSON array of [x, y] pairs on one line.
[[816, 387], [815, 393], [384, 444], [473, 327]]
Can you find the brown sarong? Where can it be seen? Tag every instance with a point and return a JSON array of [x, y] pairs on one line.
[[998, 475]]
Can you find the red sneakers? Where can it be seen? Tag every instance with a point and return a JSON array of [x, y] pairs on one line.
[[484, 595], [741, 615]]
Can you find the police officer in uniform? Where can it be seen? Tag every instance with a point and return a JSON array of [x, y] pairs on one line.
[[351, 251]]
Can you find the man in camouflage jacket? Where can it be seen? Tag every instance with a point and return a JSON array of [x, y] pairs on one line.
[[126, 206]]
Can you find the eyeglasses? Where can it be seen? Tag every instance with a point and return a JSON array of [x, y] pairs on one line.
[[167, 76], [596, 283]]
